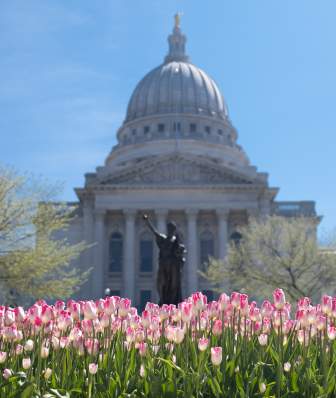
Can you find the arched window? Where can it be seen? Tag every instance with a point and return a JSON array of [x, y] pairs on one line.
[[116, 252], [146, 253], [236, 237], [207, 248]]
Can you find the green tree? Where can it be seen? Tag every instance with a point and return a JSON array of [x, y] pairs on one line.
[[276, 252], [34, 262]]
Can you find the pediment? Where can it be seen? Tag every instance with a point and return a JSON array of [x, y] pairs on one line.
[[176, 170]]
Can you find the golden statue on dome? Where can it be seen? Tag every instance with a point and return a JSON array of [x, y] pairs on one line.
[[177, 18]]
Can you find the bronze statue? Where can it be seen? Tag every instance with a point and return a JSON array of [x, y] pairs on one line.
[[171, 261]]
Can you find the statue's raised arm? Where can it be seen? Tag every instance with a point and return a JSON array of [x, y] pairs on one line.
[[150, 225]]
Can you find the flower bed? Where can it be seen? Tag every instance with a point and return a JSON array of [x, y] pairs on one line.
[[225, 348]]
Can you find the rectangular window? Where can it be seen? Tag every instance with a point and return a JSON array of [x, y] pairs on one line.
[[134, 132], [146, 129], [145, 296], [220, 132], [207, 250], [146, 256], [177, 126], [116, 253], [208, 129], [115, 293], [192, 127], [161, 128]]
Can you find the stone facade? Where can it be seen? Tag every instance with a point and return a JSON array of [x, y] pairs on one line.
[[177, 158]]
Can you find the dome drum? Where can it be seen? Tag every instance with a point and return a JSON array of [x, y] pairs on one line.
[[177, 126]]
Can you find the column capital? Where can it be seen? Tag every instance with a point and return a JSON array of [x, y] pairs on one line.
[[223, 212], [191, 213]]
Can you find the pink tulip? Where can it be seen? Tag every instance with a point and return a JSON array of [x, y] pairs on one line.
[[164, 312], [142, 347], [213, 309], [19, 314], [3, 356], [216, 355], [93, 368], [178, 335], [217, 327], [331, 331], [311, 315], [263, 339], [64, 341], [65, 320], [326, 304], [255, 314], [279, 298], [33, 312], [124, 307], [10, 332], [92, 346], [244, 305], [46, 313], [199, 300], [109, 306], [9, 317], [257, 326], [18, 349], [145, 318], [203, 343], [29, 345], [47, 373], [321, 322], [74, 309], [26, 363], [303, 303], [333, 307], [44, 352], [223, 301], [235, 299], [59, 305], [7, 373], [90, 310], [287, 326], [266, 309], [186, 312], [105, 320]]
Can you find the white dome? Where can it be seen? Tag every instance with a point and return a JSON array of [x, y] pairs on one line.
[[176, 87], [177, 105]]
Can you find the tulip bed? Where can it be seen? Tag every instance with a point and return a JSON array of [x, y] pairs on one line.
[[225, 348]]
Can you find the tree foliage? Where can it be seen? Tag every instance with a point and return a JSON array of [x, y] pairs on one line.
[[34, 260], [277, 252]]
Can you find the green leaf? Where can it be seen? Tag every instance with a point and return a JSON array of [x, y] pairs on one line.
[[294, 384]]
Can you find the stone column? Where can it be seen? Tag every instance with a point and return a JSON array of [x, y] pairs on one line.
[[222, 215], [192, 251], [87, 256], [98, 272], [129, 268], [161, 225]]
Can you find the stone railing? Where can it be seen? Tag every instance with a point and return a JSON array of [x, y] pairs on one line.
[[294, 209]]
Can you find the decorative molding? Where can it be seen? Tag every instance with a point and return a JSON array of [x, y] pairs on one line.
[[178, 170]]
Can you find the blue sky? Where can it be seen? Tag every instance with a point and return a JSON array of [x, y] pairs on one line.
[[68, 68]]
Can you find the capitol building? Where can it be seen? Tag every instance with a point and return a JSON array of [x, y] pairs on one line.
[[176, 158]]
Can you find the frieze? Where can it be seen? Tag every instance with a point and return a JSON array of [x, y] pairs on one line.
[[177, 171]]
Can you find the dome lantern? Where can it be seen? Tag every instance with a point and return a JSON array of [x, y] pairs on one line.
[[177, 42]]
